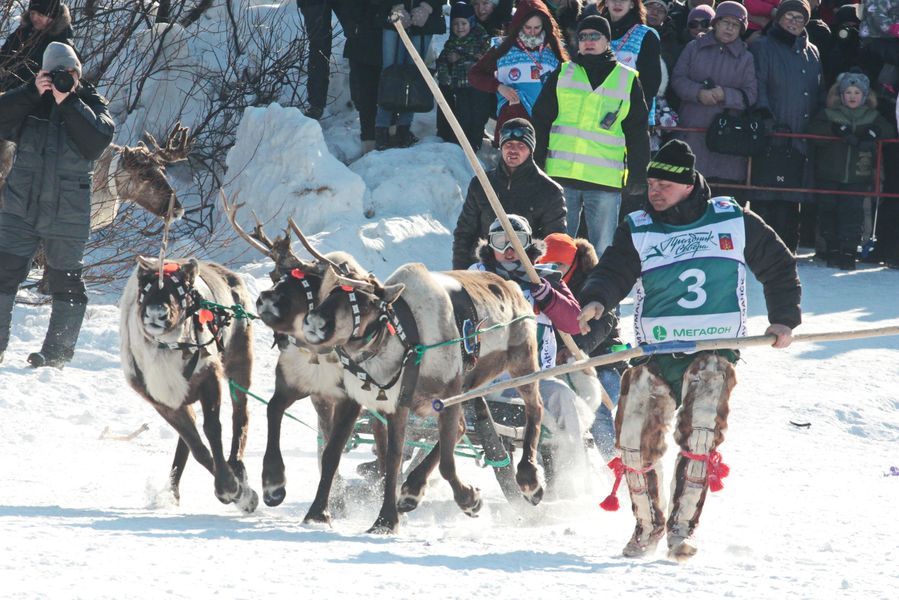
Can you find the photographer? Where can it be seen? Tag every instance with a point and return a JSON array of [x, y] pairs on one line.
[[60, 125]]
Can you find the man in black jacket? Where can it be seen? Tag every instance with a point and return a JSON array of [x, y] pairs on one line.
[[522, 189], [597, 141], [44, 22], [687, 253], [60, 128]]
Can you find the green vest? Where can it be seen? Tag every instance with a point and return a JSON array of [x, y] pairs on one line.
[[692, 282], [586, 141]]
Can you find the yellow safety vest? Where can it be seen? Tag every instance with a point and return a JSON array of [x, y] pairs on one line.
[[579, 147]]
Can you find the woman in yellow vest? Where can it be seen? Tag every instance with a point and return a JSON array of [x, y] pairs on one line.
[[592, 127]]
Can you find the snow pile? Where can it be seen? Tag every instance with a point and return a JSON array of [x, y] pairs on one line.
[[282, 167]]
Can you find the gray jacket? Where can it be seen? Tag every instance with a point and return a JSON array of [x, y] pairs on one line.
[[48, 190], [791, 86], [730, 67]]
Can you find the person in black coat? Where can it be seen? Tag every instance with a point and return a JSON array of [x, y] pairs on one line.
[[317, 24], [359, 19], [45, 22], [522, 189], [60, 129]]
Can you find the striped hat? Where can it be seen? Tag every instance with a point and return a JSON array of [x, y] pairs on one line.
[[675, 162]]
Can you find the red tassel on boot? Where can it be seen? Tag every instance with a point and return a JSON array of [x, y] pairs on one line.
[[611, 502], [716, 469]]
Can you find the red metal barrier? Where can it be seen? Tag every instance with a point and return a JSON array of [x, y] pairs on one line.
[[748, 185]]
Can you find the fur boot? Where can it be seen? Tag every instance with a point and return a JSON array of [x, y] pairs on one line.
[[644, 415], [701, 425]]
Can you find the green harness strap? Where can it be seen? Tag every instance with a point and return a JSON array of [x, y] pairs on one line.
[[420, 349]]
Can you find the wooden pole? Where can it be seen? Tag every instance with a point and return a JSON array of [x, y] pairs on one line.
[[667, 348], [485, 183]]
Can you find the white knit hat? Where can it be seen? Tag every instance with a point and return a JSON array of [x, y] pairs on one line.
[[61, 55]]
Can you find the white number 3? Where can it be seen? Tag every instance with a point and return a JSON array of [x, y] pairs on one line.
[[696, 288]]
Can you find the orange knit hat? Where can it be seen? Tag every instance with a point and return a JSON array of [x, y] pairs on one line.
[[559, 248]]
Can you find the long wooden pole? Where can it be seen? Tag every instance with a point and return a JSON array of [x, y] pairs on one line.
[[666, 348], [485, 183]]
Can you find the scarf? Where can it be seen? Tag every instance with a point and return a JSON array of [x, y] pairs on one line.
[[861, 115], [781, 35], [531, 41]]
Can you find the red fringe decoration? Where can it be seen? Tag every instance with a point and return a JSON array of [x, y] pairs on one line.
[[716, 469], [611, 503]]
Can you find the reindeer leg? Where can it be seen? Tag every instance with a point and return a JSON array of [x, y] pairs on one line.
[[345, 414], [274, 481], [182, 453], [238, 367], [413, 489], [452, 427], [528, 476], [388, 518], [227, 486]]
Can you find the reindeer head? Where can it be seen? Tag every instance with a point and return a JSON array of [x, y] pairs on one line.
[[146, 183], [164, 310], [350, 309]]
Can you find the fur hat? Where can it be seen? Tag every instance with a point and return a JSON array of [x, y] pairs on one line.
[[662, 2], [58, 54], [800, 6], [48, 8], [675, 162], [734, 10], [596, 23], [518, 130], [854, 78], [703, 11]]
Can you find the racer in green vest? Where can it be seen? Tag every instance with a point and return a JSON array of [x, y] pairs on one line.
[[687, 254]]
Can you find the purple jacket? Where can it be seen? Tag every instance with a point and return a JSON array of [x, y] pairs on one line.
[[732, 68]]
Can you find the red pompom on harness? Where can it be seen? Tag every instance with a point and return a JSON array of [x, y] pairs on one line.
[[619, 468], [716, 469], [298, 274], [170, 268], [205, 316]]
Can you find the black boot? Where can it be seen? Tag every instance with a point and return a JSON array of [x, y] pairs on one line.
[[847, 261], [404, 136], [6, 303], [833, 259], [62, 335], [382, 138]]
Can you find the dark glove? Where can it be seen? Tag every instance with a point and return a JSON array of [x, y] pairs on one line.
[[844, 132], [869, 138], [541, 292]]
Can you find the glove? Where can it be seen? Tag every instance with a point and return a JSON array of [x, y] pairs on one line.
[[869, 138], [420, 14], [404, 17], [845, 132], [541, 292]]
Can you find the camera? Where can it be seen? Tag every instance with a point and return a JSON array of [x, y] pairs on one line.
[[62, 80], [708, 84]]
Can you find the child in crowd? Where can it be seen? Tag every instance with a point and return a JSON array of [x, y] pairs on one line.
[[847, 164], [466, 45]]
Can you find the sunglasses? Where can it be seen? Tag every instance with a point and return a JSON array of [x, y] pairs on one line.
[[704, 23], [500, 242], [589, 37]]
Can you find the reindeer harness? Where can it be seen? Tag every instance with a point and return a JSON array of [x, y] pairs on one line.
[[394, 319], [214, 319]]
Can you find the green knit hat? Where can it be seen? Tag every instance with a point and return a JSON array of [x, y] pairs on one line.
[[675, 162]]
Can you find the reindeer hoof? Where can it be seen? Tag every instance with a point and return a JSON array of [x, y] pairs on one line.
[[408, 501], [274, 497], [536, 497], [248, 499], [474, 510], [312, 517], [383, 527]]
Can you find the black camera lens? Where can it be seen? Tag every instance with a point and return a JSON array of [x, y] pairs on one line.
[[62, 80]]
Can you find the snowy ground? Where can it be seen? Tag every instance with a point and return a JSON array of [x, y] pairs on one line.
[[806, 513]]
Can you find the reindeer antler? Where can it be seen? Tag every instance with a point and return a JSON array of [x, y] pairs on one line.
[[315, 253], [177, 146], [231, 211], [364, 286]]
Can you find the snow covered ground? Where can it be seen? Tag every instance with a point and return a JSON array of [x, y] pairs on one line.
[[805, 513]]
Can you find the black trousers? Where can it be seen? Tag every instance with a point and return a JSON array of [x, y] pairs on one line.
[[317, 21], [472, 109], [364, 80], [783, 217], [841, 218]]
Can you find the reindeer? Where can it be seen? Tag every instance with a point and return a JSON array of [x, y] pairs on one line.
[[175, 352], [300, 372], [358, 317], [138, 175]]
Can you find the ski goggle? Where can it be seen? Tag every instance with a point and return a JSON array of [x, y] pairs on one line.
[[704, 23], [589, 37], [500, 242], [515, 133]]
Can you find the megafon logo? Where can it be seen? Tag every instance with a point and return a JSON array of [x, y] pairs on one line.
[[659, 333]]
